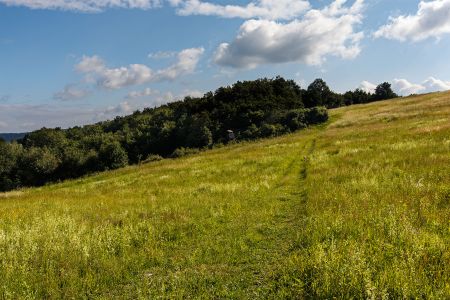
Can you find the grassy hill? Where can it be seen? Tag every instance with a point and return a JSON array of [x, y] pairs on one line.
[[359, 207]]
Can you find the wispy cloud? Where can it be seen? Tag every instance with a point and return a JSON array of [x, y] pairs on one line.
[[90, 6], [71, 92], [263, 9]]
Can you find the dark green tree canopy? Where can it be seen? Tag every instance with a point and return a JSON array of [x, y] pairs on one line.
[[384, 91]]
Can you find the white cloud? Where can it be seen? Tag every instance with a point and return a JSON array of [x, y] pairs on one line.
[[114, 78], [3, 125], [320, 33], [71, 92], [170, 97], [264, 9], [431, 20], [140, 94], [120, 109], [187, 61], [434, 85], [154, 98], [367, 87], [90, 6], [404, 87], [92, 64]]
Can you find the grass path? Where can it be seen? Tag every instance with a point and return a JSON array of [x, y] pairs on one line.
[[358, 208]]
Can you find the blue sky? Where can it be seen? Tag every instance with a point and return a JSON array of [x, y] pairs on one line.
[[75, 62]]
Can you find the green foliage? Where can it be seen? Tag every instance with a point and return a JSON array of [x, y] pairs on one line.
[[384, 91], [180, 152], [112, 156], [152, 158], [36, 165], [9, 155], [316, 115]]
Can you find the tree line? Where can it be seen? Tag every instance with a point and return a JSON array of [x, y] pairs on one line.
[[249, 109]]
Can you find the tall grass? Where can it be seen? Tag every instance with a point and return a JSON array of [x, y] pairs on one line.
[[359, 208]]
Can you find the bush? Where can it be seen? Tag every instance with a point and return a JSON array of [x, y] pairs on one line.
[[268, 130], [295, 119], [153, 157], [36, 165], [251, 132], [316, 115], [113, 156], [180, 152]]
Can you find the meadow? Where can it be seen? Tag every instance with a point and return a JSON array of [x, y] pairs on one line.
[[358, 207]]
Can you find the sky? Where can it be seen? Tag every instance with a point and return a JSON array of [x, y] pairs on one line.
[[67, 63]]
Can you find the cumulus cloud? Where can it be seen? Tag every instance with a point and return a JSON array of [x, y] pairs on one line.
[[114, 78], [187, 61], [90, 6], [318, 34], [431, 20], [264, 9], [404, 87], [71, 92], [367, 87], [433, 85]]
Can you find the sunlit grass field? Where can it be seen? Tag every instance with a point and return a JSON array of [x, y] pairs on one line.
[[356, 208]]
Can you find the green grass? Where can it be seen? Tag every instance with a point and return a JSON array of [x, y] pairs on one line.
[[358, 208]]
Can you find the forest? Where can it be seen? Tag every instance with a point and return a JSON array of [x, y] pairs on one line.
[[249, 109]]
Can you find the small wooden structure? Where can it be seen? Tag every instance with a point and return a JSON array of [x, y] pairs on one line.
[[231, 136]]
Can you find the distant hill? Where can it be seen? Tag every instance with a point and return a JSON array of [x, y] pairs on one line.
[[11, 136]]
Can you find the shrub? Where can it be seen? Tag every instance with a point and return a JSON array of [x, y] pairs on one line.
[[295, 119], [251, 132], [153, 157], [316, 115], [268, 130], [180, 152], [113, 156]]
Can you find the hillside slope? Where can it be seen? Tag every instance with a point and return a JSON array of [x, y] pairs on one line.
[[357, 208]]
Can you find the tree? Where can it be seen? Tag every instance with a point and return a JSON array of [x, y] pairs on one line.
[[112, 156], [36, 165], [317, 93], [384, 91], [9, 154], [357, 96]]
